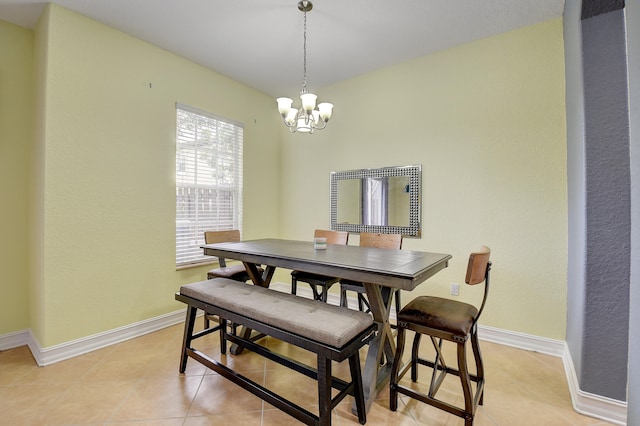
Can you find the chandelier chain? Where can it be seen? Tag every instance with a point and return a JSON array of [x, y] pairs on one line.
[[304, 50]]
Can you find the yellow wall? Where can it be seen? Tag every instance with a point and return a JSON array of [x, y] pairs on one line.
[[16, 103], [107, 244], [487, 122]]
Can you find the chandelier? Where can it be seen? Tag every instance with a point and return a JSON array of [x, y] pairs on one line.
[[307, 118]]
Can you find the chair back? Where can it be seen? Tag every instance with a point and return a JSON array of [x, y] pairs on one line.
[[333, 237], [478, 266], [212, 237], [388, 241], [478, 272]]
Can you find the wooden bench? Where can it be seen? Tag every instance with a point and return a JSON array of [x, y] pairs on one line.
[[331, 332]]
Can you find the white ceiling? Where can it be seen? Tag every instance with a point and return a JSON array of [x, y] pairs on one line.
[[259, 42]]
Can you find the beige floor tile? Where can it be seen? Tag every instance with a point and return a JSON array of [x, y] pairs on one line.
[[244, 419], [137, 383], [169, 364], [378, 414], [15, 364], [294, 386], [218, 395], [513, 404], [86, 403], [274, 417], [21, 404], [166, 397], [67, 371], [158, 422], [245, 362]]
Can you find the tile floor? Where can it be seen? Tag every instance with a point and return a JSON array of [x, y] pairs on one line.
[[137, 383]]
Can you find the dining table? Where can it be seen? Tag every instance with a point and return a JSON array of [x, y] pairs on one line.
[[380, 270]]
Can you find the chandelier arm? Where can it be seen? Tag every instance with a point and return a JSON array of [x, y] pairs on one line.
[[292, 125], [324, 124]]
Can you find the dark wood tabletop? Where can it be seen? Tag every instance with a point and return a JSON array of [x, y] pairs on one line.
[[403, 269]]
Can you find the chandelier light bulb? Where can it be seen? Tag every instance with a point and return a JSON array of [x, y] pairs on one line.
[[325, 110], [290, 118], [308, 102], [316, 116], [284, 106]]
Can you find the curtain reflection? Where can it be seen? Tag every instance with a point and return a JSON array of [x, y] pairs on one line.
[[375, 204]]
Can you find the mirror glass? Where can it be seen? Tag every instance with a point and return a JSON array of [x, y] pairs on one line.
[[384, 200]]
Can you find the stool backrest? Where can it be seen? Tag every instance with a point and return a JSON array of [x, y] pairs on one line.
[[478, 272], [212, 237], [478, 266], [388, 241], [333, 237]]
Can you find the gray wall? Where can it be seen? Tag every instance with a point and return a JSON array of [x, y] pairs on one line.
[[575, 180], [599, 199], [608, 205], [633, 49]]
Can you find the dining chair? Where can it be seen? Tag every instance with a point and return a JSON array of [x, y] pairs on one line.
[[319, 284], [368, 239], [450, 320]]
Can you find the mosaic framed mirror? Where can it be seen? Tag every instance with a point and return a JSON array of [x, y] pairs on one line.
[[386, 200]]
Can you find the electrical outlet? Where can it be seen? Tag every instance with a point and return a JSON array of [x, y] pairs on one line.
[[455, 288]]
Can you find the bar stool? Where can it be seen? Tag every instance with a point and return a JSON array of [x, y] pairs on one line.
[[319, 284], [369, 239], [233, 272], [444, 319]]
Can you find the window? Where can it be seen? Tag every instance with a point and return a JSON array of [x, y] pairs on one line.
[[208, 179]]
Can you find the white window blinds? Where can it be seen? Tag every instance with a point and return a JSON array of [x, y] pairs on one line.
[[208, 179]]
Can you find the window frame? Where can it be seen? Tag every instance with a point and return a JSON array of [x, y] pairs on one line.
[[208, 180]]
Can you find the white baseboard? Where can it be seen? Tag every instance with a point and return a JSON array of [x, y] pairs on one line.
[[14, 340], [522, 341], [600, 407], [57, 353]]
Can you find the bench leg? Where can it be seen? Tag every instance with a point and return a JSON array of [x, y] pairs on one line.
[[223, 336], [358, 391], [188, 334], [324, 389]]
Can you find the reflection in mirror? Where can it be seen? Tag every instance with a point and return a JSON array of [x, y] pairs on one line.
[[385, 200], [349, 201]]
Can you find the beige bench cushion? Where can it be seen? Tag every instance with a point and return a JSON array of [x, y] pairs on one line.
[[328, 324]]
